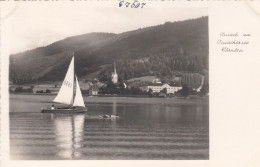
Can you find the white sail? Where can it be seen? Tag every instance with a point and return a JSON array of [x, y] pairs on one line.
[[65, 94], [78, 101]]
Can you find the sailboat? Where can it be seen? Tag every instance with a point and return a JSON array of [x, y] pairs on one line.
[[75, 103]]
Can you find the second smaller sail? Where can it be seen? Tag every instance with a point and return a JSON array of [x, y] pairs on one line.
[[78, 101]]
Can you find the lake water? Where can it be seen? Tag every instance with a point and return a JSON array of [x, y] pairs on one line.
[[148, 129]]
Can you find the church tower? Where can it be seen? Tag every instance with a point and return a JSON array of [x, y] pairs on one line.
[[114, 76]]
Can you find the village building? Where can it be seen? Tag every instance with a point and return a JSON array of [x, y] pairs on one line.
[[158, 87], [93, 91], [114, 76]]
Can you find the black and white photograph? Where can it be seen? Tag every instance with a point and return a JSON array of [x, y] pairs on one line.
[[108, 83]]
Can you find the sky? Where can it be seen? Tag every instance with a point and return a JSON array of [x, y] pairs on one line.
[[34, 25]]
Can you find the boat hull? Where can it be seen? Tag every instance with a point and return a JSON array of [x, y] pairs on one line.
[[63, 110]]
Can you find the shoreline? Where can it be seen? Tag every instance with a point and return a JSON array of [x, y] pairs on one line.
[[190, 97]]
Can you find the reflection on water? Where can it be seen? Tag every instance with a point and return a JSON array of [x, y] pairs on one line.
[[114, 112], [69, 130], [143, 131]]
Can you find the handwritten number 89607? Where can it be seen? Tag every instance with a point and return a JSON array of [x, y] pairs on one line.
[[134, 4]]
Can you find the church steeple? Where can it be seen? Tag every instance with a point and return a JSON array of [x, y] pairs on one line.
[[114, 68], [114, 76]]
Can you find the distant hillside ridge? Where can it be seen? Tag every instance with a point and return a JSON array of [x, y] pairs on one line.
[[162, 50]]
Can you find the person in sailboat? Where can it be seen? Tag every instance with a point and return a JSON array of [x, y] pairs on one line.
[[53, 107]]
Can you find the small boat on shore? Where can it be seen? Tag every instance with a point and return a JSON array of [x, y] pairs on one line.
[[109, 116], [75, 103]]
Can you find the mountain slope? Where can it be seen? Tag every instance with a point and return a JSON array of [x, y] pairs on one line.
[[162, 50]]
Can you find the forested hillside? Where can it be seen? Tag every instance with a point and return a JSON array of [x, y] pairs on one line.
[[173, 48]]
